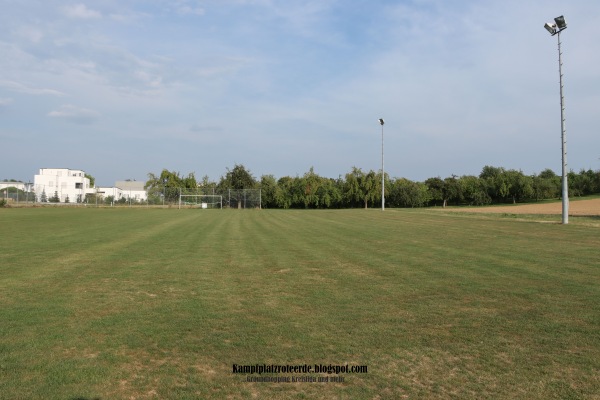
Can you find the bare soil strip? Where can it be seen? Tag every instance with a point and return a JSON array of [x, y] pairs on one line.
[[579, 207]]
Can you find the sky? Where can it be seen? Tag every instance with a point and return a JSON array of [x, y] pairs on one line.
[[125, 88]]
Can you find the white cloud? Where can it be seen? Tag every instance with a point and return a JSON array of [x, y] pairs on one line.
[[75, 114], [149, 80], [30, 33], [81, 11], [457, 87], [184, 7], [22, 88]]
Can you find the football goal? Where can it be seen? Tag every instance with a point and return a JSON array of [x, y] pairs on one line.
[[200, 201]]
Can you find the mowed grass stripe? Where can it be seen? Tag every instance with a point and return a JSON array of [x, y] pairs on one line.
[[437, 305]]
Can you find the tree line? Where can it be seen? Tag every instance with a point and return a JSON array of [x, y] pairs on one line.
[[358, 188]]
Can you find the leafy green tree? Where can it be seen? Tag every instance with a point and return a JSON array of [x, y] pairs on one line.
[[208, 186], [521, 186], [547, 174], [371, 187], [541, 188], [437, 190], [362, 188], [92, 179], [546, 185], [238, 178], [298, 192], [490, 173], [595, 176], [331, 193], [189, 182], [453, 191], [353, 191], [168, 184], [475, 190], [283, 193], [268, 190], [311, 183], [406, 193], [581, 184], [496, 185]]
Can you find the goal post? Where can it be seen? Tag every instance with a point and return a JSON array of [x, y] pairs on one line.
[[204, 201]]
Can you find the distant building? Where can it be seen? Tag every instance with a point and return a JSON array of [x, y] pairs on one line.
[[16, 191], [24, 186], [104, 192], [66, 183], [128, 191], [132, 190]]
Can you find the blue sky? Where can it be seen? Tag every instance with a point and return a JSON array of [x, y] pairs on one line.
[[123, 88]]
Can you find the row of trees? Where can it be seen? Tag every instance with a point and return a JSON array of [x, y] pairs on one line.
[[168, 183], [360, 188]]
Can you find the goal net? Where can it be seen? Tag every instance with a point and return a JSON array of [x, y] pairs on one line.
[[200, 201]]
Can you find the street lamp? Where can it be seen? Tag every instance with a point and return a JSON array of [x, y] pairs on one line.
[[556, 28], [382, 172]]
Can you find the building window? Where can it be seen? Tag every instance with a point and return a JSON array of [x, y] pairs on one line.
[[78, 185]]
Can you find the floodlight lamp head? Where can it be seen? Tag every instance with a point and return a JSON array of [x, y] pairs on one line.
[[550, 28], [381, 121], [560, 22]]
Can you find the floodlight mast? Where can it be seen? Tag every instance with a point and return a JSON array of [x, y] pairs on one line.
[[555, 29], [381, 121]]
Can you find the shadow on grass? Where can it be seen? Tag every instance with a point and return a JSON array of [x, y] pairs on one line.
[[85, 398]]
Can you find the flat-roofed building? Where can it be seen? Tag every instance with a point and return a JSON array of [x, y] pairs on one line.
[[70, 185], [132, 190]]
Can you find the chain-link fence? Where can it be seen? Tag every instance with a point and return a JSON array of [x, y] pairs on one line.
[[230, 198], [152, 197], [243, 198], [14, 195]]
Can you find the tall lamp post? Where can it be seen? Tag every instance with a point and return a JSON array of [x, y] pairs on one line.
[[556, 28], [381, 121]]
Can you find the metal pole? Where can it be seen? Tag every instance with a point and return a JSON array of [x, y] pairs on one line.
[[382, 174], [565, 185]]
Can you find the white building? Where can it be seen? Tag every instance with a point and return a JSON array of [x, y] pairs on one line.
[[19, 185], [132, 190], [68, 184], [106, 192], [128, 191], [16, 191]]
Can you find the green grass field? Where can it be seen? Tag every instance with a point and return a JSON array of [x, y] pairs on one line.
[[160, 304]]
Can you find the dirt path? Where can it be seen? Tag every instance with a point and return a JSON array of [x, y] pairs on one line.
[[577, 207]]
